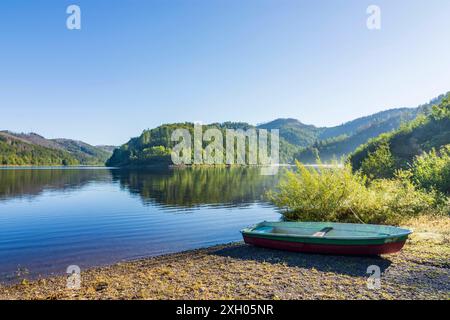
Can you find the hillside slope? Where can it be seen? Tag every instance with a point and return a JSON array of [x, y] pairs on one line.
[[340, 141], [84, 152], [16, 151], [293, 131], [427, 132], [297, 140], [106, 148], [153, 146], [294, 135], [76, 152]]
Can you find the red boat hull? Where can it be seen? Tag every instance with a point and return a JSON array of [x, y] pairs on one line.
[[374, 249]]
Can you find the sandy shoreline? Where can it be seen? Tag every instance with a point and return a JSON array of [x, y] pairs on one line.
[[239, 271]]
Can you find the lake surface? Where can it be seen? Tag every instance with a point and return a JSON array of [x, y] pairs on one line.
[[51, 218]]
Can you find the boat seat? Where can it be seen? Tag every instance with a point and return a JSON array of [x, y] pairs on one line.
[[323, 232]]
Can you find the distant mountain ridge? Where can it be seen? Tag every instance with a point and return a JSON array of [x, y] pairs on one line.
[[106, 148], [294, 131], [34, 149], [297, 140], [17, 151], [340, 141]]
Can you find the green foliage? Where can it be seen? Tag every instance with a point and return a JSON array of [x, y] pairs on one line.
[[156, 151], [33, 149], [153, 147], [18, 153], [380, 163], [294, 132], [338, 194], [432, 170], [307, 143], [297, 140], [412, 139], [83, 152], [343, 140]]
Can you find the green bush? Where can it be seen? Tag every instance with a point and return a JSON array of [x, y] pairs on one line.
[[432, 170], [380, 163], [337, 194]]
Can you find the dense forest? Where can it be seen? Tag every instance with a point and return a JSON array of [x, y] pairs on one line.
[[85, 153], [421, 146], [425, 133], [340, 141], [15, 152], [153, 147], [32, 149], [298, 141]]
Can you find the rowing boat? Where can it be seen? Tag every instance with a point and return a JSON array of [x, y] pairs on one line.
[[327, 237]]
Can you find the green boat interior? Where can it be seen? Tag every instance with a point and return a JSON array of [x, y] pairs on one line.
[[327, 230]]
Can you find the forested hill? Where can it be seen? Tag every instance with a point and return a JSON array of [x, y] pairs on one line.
[[294, 132], [153, 146], [390, 117], [84, 152], [340, 141], [427, 132], [350, 135], [109, 149], [294, 135], [33, 149], [297, 140], [16, 152]]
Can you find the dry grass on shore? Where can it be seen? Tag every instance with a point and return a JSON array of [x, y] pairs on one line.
[[238, 271]]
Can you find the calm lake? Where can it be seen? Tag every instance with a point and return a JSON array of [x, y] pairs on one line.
[[51, 218]]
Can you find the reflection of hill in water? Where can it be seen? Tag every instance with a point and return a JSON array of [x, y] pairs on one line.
[[196, 186], [182, 188], [18, 183]]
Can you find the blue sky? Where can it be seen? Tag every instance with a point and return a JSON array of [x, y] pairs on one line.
[[137, 64]]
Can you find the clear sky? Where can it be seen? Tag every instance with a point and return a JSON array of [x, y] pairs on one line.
[[137, 64]]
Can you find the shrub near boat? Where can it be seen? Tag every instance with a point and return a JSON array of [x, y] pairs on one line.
[[337, 194], [327, 237]]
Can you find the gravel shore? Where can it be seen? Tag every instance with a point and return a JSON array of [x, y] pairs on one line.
[[238, 271]]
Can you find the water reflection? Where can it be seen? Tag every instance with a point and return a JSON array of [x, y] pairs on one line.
[[182, 188], [31, 182], [52, 218], [190, 187]]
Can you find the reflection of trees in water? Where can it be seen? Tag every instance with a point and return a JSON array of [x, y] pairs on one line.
[[16, 183], [197, 186], [178, 187]]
